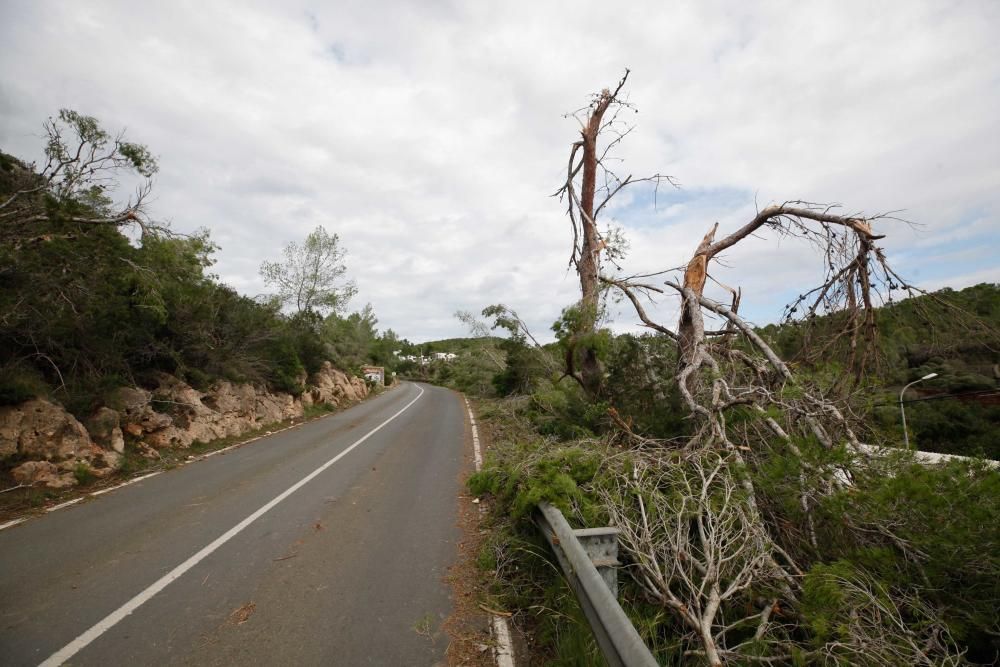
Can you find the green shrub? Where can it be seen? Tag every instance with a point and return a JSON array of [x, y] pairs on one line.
[[948, 518], [83, 474]]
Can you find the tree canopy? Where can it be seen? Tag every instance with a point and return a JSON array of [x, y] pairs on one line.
[[312, 276]]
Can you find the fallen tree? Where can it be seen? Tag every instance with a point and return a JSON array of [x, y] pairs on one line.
[[744, 529]]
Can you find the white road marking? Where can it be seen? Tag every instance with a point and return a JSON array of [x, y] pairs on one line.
[[12, 523], [503, 649], [477, 453], [131, 481], [109, 621], [62, 505]]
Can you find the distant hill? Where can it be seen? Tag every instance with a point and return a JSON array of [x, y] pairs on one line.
[[456, 345], [954, 333]]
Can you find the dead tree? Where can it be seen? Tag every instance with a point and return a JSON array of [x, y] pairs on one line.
[[847, 243], [704, 541], [587, 163]]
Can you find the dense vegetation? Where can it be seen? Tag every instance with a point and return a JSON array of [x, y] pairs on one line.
[[957, 412], [94, 295], [951, 333], [904, 544]]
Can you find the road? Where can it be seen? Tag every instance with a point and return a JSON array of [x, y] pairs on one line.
[[243, 558]]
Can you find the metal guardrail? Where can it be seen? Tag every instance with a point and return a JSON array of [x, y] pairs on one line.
[[589, 558], [617, 637]]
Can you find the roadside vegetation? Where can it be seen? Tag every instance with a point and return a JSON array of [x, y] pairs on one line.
[[96, 294], [757, 524]]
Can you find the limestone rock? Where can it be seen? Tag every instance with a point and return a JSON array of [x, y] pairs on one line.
[[131, 400], [43, 472], [105, 462], [41, 430], [104, 427], [335, 387], [171, 436], [173, 415], [117, 441], [137, 413], [147, 452]]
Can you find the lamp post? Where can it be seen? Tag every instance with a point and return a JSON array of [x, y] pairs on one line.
[[902, 410]]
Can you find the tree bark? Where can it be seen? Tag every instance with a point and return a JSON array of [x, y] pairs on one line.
[[697, 269], [588, 264]]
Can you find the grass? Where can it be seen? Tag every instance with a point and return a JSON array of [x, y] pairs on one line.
[[83, 474], [424, 625]]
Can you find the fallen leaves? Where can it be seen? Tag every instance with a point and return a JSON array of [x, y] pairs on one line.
[[242, 614]]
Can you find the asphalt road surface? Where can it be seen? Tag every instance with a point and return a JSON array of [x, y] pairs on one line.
[[307, 547]]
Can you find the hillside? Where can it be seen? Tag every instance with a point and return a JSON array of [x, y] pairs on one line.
[[954, 333]]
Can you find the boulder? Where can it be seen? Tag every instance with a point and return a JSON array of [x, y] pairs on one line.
[[136, 412], [104, 427], [42, 430], [147, 452], [117, 441], [131, 400], [43, 472], [231, 399], [272, 408], [335, 387], [105, 463], [171, 436]]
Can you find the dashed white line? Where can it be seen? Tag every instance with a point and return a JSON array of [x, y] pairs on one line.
[[476, 451], [112, 619], [131, 481], [62, 505], [12, 523], [504, 651], [101, 492]]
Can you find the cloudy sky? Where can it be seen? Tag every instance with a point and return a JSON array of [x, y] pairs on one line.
[[430, 135]]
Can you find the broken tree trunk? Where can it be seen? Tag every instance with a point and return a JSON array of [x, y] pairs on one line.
[[588, 260]]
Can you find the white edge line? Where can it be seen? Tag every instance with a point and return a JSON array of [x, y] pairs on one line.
[[62, 505], [131, 481], [503, 649], [12, 523], [109, 621], [476, 451]]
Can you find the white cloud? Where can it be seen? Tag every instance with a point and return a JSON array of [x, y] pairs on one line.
[[430, 135]]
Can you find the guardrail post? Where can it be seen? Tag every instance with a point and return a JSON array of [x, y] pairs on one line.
[[618, 639], [601, 544]]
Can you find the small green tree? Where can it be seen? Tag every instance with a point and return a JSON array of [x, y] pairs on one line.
[[312, 276]]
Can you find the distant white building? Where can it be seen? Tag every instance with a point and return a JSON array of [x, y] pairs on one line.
[[423, 361]]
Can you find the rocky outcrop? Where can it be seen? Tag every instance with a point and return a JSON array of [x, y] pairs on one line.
[[104, 427], [58, 446], [174, 414], [334, 387], [226, 410], [43, 472], [41, 430]]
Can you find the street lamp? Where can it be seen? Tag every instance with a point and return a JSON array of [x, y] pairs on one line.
[[902, 410]]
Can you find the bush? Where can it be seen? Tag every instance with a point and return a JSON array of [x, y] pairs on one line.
[[946, 545]]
